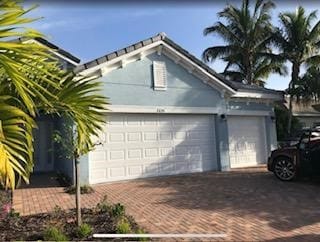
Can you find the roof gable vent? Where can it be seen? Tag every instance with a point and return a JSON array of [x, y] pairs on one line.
[[159, 75]]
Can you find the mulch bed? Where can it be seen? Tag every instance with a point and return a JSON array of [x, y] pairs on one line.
[[5, 198], [104, 218], [14, 227]]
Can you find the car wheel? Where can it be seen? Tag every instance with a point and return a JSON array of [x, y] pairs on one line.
[[284, 169]]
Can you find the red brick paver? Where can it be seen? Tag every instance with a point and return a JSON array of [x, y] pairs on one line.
[[247, 205]]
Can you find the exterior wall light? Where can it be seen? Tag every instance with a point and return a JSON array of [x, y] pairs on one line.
[[223, 117]]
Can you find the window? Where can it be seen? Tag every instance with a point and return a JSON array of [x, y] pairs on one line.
[[159, 75]]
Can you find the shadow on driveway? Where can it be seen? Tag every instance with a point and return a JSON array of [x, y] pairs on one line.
[[283, 205]]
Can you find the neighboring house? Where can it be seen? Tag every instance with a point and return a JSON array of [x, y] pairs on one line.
[[307, 113], [171, 114]]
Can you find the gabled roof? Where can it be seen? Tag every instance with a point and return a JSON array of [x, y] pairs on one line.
[[162, 38], [52, 46]]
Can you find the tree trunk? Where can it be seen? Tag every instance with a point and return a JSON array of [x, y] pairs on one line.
[[294, 79], [290, 114], [78, 192]]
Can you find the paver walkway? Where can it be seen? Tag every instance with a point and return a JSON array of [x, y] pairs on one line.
[[245, 204]]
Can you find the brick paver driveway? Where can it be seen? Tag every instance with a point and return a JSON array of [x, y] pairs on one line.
[[244, 204]]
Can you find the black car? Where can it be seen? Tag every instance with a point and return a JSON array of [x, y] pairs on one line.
[[301, 159]]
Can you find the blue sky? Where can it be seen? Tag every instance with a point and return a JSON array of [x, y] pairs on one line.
[[90, 30]]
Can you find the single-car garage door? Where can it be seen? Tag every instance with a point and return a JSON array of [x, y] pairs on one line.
[[144, 145], [247, 141]]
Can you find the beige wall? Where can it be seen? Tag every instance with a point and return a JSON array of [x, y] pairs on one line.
[[309, 121]]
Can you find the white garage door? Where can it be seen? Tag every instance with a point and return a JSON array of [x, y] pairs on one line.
[[142, 145], [247, 141]]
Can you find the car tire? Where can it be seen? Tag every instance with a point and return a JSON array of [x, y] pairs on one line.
[[284, 169]]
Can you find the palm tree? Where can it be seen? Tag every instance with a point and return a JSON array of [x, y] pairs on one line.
[[247, 34], [298, 41], [30, 82], [308, 86]]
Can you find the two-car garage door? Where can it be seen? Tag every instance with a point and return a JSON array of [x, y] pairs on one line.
[[144, 145]]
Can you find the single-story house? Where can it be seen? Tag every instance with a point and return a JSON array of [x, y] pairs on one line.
[[307, 113], [170, 114]]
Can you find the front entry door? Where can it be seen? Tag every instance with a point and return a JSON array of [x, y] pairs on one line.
[[43, 153]]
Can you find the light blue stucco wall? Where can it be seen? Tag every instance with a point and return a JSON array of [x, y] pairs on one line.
[[133, 85]]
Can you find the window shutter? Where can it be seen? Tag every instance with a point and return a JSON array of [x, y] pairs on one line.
[[159, 75]]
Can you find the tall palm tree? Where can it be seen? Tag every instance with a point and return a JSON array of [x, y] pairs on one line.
[[298, 40], [247, 33], [31, 81]]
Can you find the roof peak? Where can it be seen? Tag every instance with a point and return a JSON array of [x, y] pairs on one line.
[[162, 34]]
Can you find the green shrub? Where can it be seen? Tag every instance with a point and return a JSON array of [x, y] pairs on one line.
[[103, 206], [123, 227], [13, 214], [57, 211], [85, 189], [54, 234], [282, 116], [84, 230], [117, 210], [141, 231]]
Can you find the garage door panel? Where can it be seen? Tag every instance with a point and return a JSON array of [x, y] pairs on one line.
[[247, 141], [136, 170], [144, 145], [98, 155]]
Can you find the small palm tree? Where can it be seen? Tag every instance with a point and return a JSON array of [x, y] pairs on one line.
[[31, 81], [25, 77], [298, 41], [247, 34]]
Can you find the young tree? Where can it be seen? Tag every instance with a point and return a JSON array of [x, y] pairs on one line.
[[298, 41], [82, 107], [247, 32]]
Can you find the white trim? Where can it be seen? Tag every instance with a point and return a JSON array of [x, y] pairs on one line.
[[306, 114], [248, 113], [183, 57], [182, 110], [151, 48], [241, 94], [52, 51], [182, 60], [136, 53], [160, 109]]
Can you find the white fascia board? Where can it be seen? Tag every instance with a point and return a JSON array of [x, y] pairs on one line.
[[125, 57], [181, 110], [186, 59], [151, 48], [306, 114], [52, 51], [248, 113], [160, 109], [257, 95]]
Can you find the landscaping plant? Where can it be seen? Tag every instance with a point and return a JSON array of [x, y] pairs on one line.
[[54, 234], [84, 230]]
